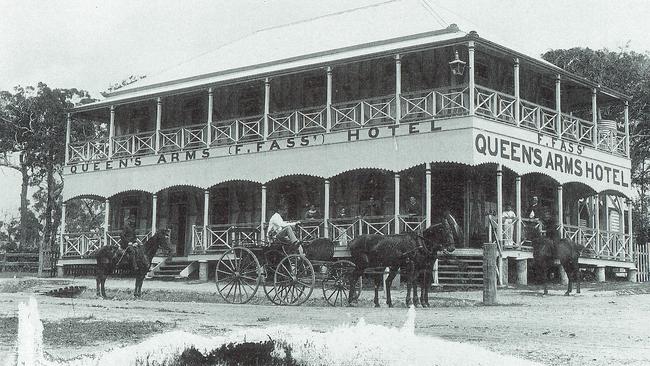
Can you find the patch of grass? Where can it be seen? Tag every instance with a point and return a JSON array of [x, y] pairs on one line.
[[29, 284], [85, 331]]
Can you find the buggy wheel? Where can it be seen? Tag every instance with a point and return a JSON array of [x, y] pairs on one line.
[[336, 286], [269, 286], [237, 275], [294, 279]]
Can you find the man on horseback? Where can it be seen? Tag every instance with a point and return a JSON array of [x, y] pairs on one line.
[[128, 241]]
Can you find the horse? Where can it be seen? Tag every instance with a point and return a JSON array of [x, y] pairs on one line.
[[110, 257], [447, 231], [411, 252], [546, 250]]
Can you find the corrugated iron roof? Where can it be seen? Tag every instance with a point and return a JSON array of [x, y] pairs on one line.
[[371, 29]]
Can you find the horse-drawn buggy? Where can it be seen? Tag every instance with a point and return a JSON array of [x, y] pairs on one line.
[[289, 273]]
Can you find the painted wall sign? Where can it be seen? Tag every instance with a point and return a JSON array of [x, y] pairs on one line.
[[258, 147], [551, 156]]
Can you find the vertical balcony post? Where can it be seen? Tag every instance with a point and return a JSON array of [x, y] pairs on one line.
[[206, 218], [328, 106], [111, 132], [326, 209], [158, 122], [68, 123], [62, 231], [427, 190], [467, 192], [263, 213], [558, 105], [472, 81], [154, 213], [499, 204], [597, 222], [517, 110], [518, 208], [107, 211], [208, 132], [626, 116], [629, 228], [594, 116], [396, 213], [267, 107], [398, 88], [560, 211]]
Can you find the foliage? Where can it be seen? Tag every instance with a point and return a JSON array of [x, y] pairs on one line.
[[34, 125], [115, 86], [629, 72], [10, 233]]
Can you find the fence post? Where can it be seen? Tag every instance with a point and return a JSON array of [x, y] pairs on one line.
[[489, 274]]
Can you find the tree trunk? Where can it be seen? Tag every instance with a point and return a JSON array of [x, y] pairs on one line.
[[46, 243], [23, 202]]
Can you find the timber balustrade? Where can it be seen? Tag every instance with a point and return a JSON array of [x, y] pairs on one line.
[[83, 244], [447, 102], [603, 244]]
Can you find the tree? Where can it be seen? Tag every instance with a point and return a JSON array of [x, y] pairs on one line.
[[628, 72], [115, 86], [34, 126]]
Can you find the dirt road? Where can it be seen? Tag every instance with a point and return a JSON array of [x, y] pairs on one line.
[[605, 325]]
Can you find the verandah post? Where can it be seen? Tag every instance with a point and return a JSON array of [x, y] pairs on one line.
[[206, 217], [490, 273], [558, 105], [107, 210], [517, 111], [398, 88], [472, 81], [518, 207], [594, 116], [111, 132], [267, 107], [62, 232], [560, 211], [326, 209], [158, 123], [208, 132], [68, 123], [263, 213], [396, 214], [427, 198], [154, 212], [328, 105]]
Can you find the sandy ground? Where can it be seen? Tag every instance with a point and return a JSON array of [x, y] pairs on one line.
[[605, 325]]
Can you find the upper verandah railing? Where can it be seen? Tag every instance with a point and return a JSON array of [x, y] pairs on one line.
[[442, 103]]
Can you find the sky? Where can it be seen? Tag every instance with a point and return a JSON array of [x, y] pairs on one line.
[[89, 44]]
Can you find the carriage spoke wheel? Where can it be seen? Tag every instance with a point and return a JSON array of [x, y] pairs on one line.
[[336, 286], [294, 279], [237, 275], [269, 286]]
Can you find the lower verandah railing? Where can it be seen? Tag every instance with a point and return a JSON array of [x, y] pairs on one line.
[[340, 230], [598, 244], [83, 244]]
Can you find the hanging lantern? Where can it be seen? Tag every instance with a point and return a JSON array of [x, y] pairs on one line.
[[457, 65]]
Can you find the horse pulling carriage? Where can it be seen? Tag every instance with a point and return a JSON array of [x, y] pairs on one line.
[[288, 274]]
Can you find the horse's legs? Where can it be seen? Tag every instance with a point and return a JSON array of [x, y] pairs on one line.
[[98, 281], [353, 283], [377, 281], [426, 284], [577, 278], [103, 284], [389, 282], [569, 273], [135, 290]]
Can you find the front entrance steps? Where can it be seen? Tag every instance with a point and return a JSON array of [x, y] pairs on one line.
[[174, 270], [462, 269]]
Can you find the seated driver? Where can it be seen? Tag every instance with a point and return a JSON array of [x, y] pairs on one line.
[[281, 229]]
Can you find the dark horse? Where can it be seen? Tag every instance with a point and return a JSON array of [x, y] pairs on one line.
[[110, 257], [414, 253], [547, 249]]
